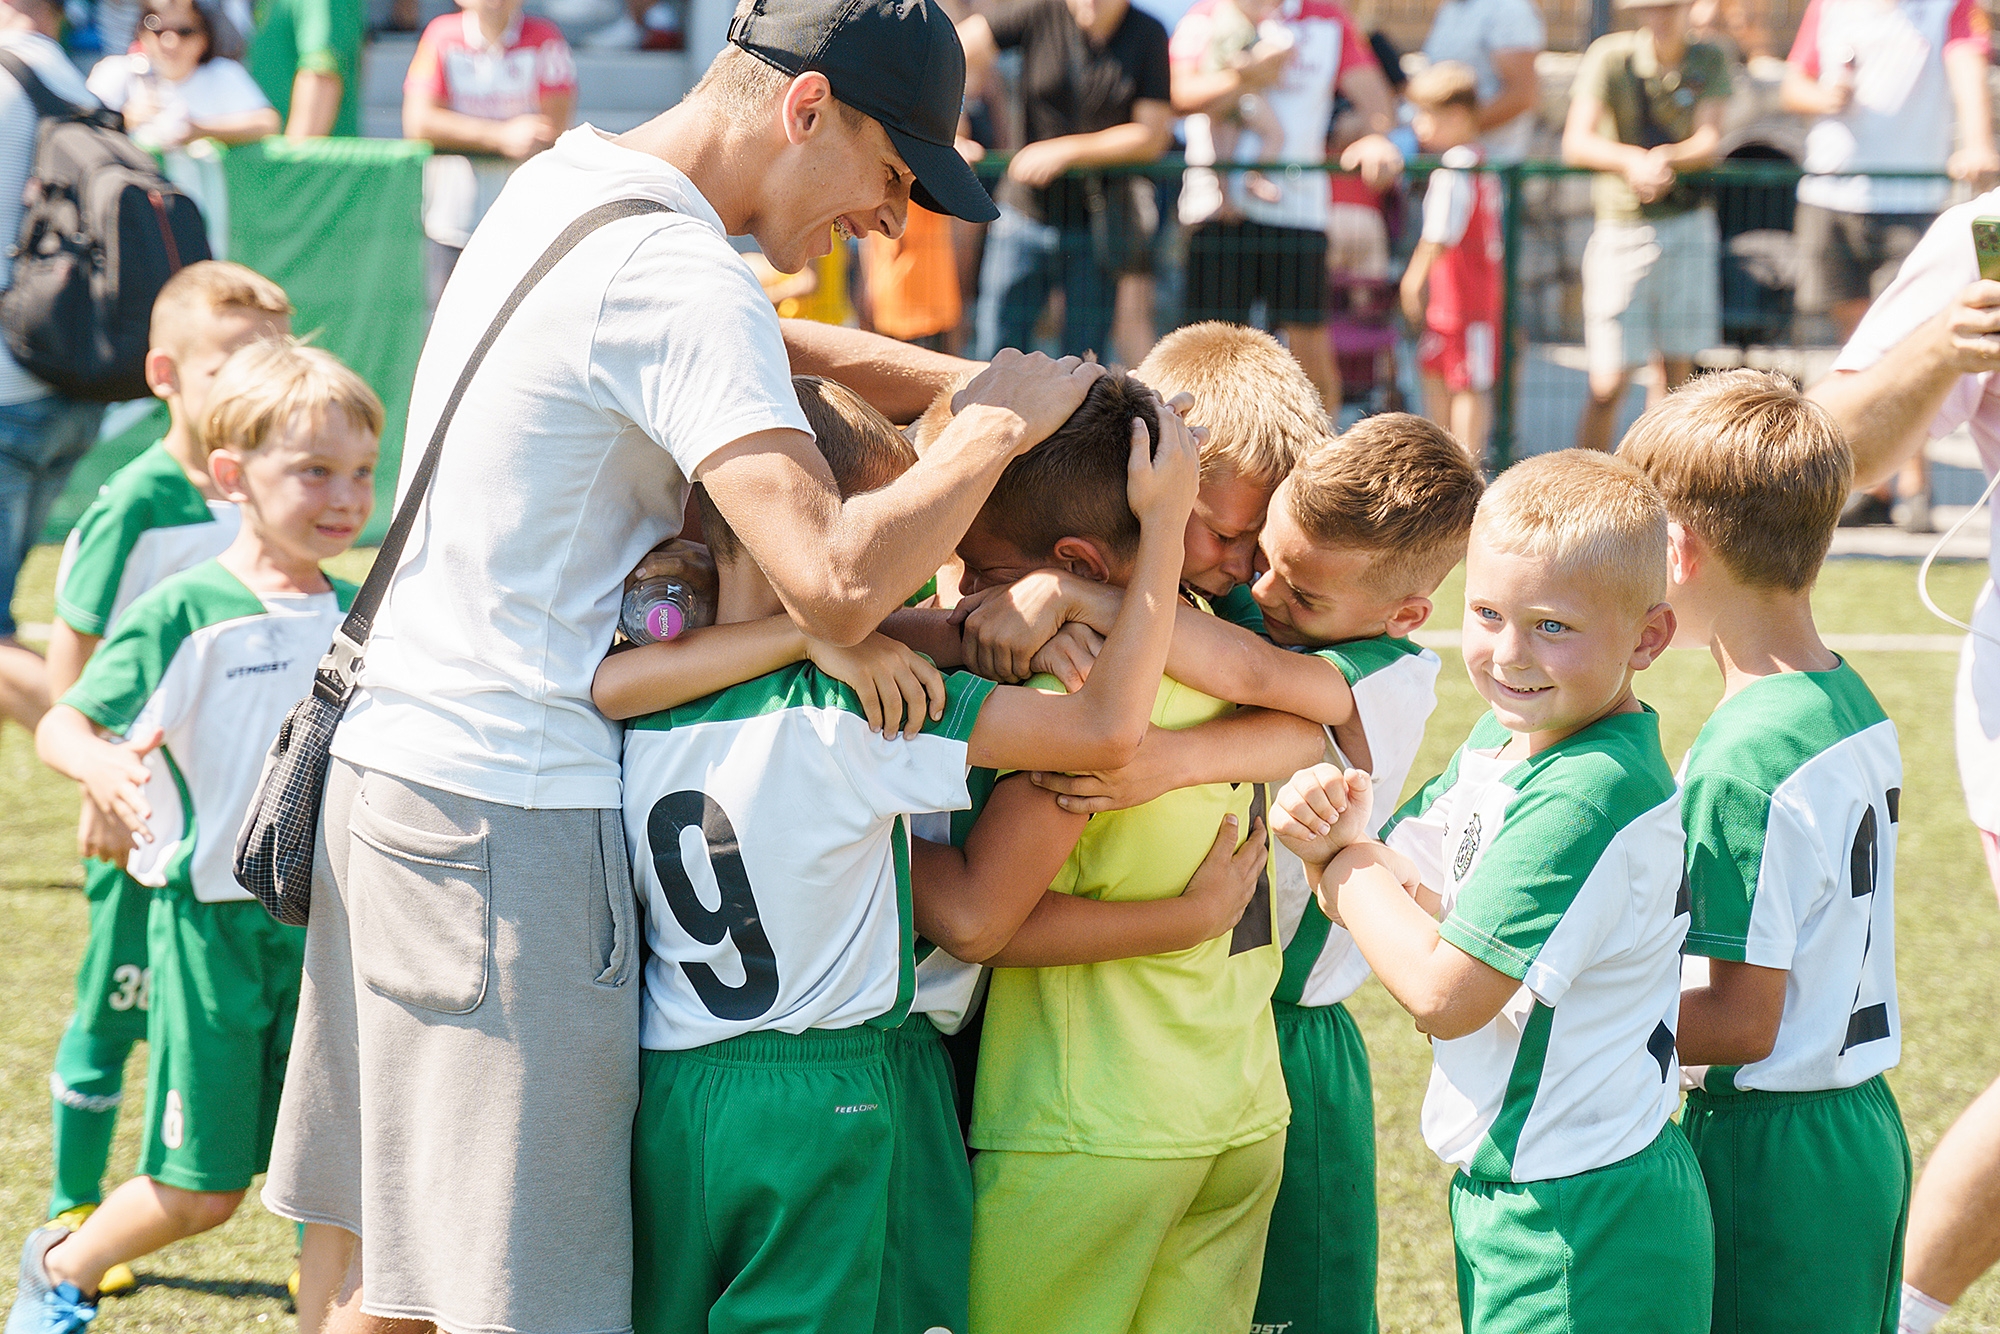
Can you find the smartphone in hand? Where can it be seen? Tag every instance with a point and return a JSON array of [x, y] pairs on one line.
[[1986, 245]]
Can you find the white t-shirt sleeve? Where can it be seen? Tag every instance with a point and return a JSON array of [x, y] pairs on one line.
[[1448, 203], [688, 347], [222, 88], [898, 776], [111, 80], [1514, 25]]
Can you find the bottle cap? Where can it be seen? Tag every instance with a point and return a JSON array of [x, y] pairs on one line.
[[664, 620]]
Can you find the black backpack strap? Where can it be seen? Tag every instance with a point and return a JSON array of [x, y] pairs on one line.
[[334, 680], [46, 102]]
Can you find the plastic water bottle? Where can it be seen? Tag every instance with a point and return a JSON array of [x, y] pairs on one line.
[[662, 607]]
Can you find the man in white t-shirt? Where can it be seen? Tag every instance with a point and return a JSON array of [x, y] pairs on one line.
[[466, 1065], [1500, 40], [42, 433], [1925, 361], [1255, 250]]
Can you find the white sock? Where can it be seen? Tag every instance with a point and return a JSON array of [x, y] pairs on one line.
[[1920, 1313]]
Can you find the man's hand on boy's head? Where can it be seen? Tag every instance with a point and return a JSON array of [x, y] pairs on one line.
[[1161, 482], [898, 687], [1005, 627], [1322, 810], [1038, 392]]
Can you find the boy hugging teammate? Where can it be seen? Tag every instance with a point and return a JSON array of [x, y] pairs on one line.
[[1359, 536], [788, 1112], [156, 516], [167, 730], [1529, 910], [1790, 799]]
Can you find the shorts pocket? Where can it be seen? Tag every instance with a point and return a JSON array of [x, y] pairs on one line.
[[614, 913], [420, 909]]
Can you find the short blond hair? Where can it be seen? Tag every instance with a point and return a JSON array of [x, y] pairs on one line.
[[271, 383], [1397, 485], [863, 450], [1754, 467], [1262, 412], [1591, 513], [201, 290], [1449, 83]]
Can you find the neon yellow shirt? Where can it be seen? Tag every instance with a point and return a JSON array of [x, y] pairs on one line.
[[1168, 1056]]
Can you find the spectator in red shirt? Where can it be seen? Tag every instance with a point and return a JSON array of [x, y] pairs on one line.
[[486, 81]]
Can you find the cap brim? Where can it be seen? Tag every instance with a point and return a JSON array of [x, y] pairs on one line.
[[945, 182]]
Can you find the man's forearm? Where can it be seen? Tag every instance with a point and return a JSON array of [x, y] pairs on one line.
[[449, 129], [1886, 410], [315, 105], [899, 379], [1591, 149], [1965, 71], [1127, 143], [1697, 150]]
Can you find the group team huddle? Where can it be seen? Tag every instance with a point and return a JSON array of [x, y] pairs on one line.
[[1074, 873]]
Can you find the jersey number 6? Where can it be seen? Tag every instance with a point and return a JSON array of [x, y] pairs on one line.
[[736, 916]]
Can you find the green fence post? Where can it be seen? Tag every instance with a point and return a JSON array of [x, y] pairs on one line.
[[1504, 397]]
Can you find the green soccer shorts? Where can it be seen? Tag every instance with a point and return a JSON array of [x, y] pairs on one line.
[[112, 986], [1811, 1193], [225, 996], [1628, 1247], [1319, 1263], [801, 1181]]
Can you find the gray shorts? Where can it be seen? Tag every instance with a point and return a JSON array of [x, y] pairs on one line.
[[1850, 256], [466, 1063], [1651, 286]]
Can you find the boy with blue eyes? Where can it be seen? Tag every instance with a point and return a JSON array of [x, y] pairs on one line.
[[1528, 908]]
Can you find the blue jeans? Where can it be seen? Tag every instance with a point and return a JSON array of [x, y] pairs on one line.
[[40, 441], [1025, 261]]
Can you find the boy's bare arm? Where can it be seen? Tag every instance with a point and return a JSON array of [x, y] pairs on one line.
[[1734, 1019], [1247, 746], [1102, 725], [1415, 276], [1063, 930], [897, 688], [69, 650], [1448, 992], [970, 901], [1229, 662]]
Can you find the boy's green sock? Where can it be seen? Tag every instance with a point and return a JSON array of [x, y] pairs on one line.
[[87, 1087]]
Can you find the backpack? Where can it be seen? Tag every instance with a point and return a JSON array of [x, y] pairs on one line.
[[101, 232]]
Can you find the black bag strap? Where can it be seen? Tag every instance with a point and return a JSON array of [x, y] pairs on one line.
[[46, 102], [334, 680]]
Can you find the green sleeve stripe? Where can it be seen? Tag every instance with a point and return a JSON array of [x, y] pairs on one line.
[[1493, 1160], [965, 695], [1491, 950], [928, 590], [1725, 819], [149, 492], [1303, 953], [1710, 945], [906, 950], [979, 784], [1365, 657]]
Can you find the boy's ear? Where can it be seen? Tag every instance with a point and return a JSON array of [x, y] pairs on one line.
[[163, 376], [1408, 616], [1655, 633], [1685, 554], [225, 469], [1084, 558]]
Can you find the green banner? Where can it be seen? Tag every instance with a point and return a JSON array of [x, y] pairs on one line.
[[338, 224]]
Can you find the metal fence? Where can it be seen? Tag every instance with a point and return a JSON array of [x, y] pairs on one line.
[[1547, 218]]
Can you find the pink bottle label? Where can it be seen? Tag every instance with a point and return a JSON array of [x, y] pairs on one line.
[[664, 620]]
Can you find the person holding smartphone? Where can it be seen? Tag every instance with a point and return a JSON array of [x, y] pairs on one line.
[[1924, 361]]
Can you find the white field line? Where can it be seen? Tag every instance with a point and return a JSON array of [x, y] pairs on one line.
[[1838, 643]]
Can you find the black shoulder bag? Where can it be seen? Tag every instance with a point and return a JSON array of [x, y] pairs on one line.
[[274, 851]]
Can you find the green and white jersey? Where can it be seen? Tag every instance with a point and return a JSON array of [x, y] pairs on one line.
[[216, 667], [1790, 798], [147, 522], [1562, 870], [1395, 689], [769, 829], [949, 990]]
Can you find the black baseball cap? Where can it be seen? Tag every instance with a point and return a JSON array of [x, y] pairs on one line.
[[896, 60]]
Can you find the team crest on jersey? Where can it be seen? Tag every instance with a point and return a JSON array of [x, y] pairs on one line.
[[1468, 848]]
